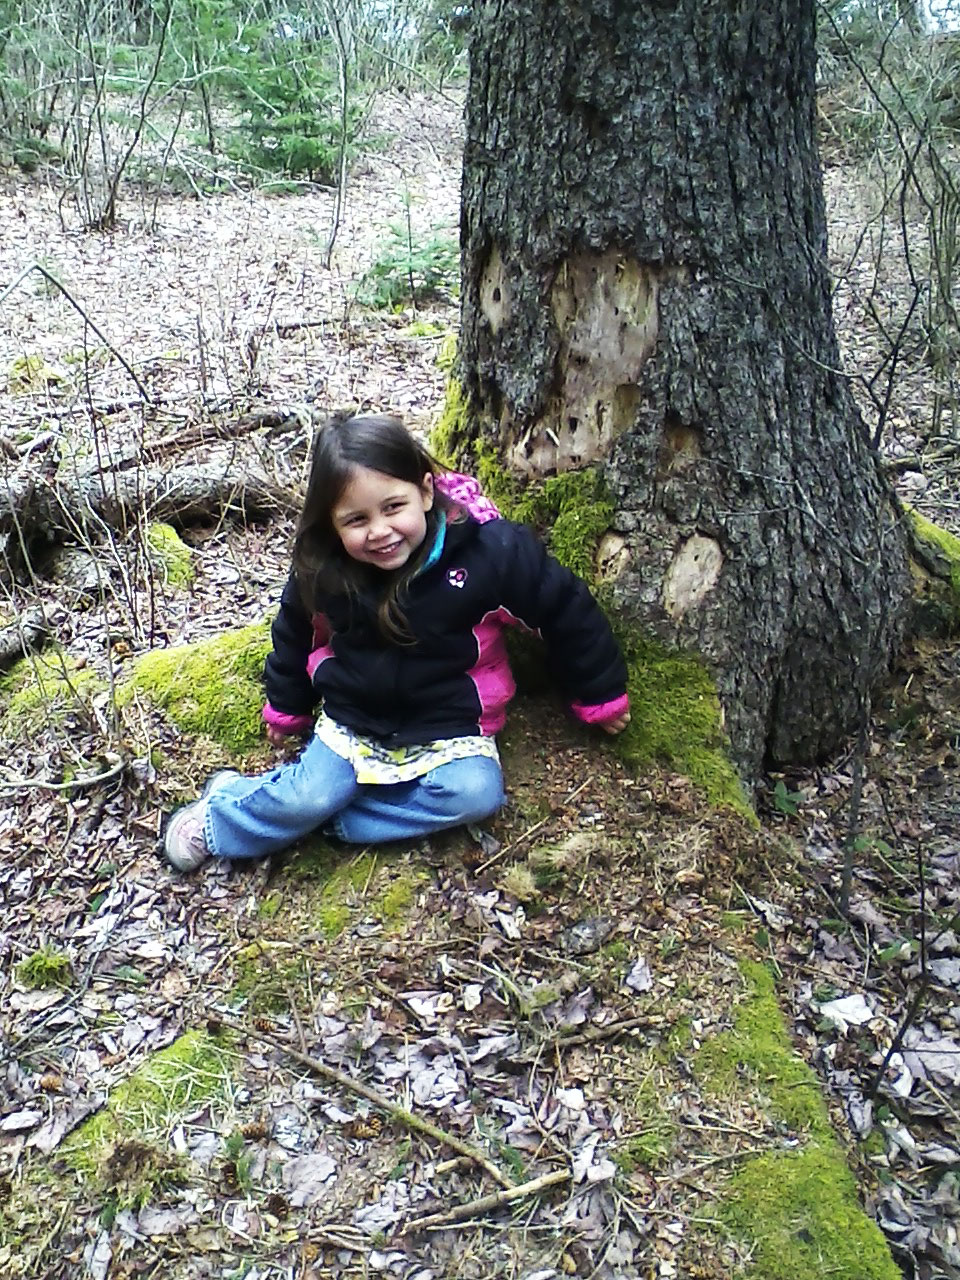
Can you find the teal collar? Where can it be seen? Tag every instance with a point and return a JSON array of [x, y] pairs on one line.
[[436, 551]]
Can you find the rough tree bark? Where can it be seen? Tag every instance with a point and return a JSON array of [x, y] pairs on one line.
[[644, 287]]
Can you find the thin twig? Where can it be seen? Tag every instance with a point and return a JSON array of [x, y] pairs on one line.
[[36, 266], [597, 1035], [390, 1109], [11, 783], [923, 983], [536, 827], [473, 1208], [856, 795]]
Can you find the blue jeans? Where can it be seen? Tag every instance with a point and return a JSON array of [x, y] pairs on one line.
[[249, 817]]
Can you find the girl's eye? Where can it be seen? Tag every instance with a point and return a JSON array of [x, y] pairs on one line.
[[393, 506]]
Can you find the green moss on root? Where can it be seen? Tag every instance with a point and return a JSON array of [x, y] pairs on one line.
[[676, 719], [945, 543], [213, 687], [797, 1211], [172, 559], [44, 689], [800, 1215], [189, 1072], [449, 441], [935, 567], [759, 1048]]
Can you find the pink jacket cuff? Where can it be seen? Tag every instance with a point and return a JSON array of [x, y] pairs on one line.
[[602, 711], [284, 722]]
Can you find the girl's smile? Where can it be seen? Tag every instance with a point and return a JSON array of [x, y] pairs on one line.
[[381, 520]]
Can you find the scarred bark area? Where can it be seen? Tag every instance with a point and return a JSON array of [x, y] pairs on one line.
[[644, 283]]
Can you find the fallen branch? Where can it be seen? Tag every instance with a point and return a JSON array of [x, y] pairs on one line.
[[69, 508], [285, 328], [357, 1087], [11, 783], [595, 1035], [272, 419], [473, 1208], [919, 461]]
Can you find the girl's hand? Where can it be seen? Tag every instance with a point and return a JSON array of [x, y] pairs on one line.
[[618, 725], [277, 736]]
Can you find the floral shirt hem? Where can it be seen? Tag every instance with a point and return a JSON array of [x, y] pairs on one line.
[[376, 764]]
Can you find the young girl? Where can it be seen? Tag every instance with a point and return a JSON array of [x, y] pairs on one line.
[[403, 579]]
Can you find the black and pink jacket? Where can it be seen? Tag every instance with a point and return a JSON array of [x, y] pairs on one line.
[[455, 680]]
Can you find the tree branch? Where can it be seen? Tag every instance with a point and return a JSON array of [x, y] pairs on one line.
[[390, 1109]]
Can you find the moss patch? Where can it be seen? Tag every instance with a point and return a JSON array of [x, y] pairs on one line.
[[676, 719], [41, 689], [31, 373], [800, 1212], [325, 891], [449, 440], [649, 1148], [341, 886], [187, 1073], [170, 556], [759, 1047], [213, 687], [936, 574], [947, 544], [268, 973], [447, 355], [47, 967], [132, 1173]]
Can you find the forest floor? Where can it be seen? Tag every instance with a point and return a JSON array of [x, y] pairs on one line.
[[657, 1008]]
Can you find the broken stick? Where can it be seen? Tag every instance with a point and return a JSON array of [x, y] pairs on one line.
[[473, 1208], [394, 1112]]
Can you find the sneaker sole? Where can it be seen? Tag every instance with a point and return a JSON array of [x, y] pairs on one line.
[[173, 824], [213, 783]]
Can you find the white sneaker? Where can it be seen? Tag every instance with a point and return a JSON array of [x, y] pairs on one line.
[[183, 842]]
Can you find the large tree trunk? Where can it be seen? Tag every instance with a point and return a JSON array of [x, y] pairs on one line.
[[644, 286]]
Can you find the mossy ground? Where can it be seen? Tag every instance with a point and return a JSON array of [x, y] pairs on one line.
[[798, 1210], [213, 687], [758, 1050], [800, 1213], [194, 1070], [172, 559], [345, 932], [325, 889], [651, 1142], [44, 689], [121, 1157]]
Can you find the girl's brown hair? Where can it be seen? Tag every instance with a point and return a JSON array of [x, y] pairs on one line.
[[381, 443]]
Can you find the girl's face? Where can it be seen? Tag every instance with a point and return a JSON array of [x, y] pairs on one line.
[[380, 520]]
